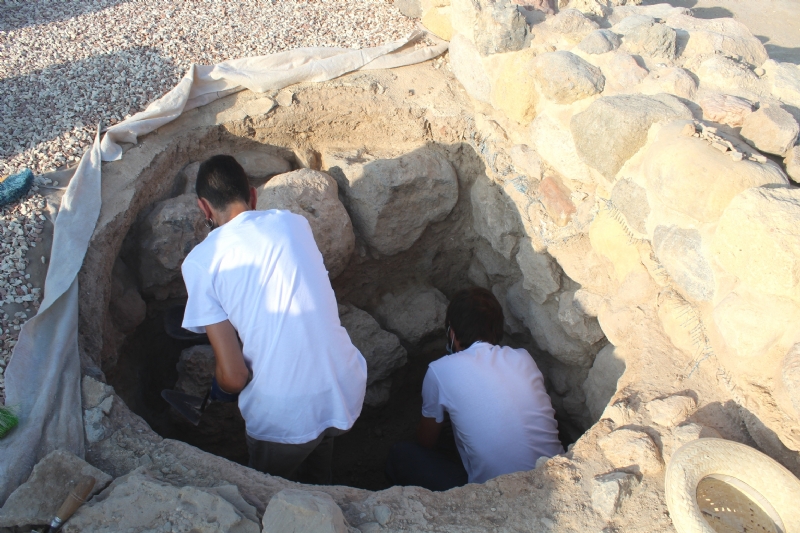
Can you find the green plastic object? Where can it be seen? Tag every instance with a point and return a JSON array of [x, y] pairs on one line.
[[8, 420]]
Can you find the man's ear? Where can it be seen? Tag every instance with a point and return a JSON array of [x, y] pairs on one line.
[[253, 198], [205, 207]]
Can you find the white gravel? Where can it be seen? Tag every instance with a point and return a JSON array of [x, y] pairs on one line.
[[66, 65]]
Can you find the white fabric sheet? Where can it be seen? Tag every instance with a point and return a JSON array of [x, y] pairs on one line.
[[43, 376]]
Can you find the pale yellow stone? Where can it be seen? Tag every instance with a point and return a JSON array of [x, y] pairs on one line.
[[514, 90], [609, 239], [758, 240], [437, 21]]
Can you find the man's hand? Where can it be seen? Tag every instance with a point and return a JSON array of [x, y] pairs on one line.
[[231, 372], [428, 432]]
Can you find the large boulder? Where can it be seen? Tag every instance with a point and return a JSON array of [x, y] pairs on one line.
[[723, 36], [600, 42], [572, 24], [260, 165], [751, 324], [303, 511], [684, 256], [381, 349], [601, 383], [633, 451], [196, 367], [792, 163], [413, 313], [651, 40], [555, 144], [499, 28], [467, 66], [784, 80], [565, 78], [35, 502], [622, 71], [771, 129], [725, 109], [689, 182], [126, 306], [758, 240], [790, 374], [514, 91], [314, 195], [575, 321], [724, 75], [495, 220], [613, 128], [410, 8], [671, 80], [166, 236], [393, 199], [137, 502], [540, 273], [438, 21]]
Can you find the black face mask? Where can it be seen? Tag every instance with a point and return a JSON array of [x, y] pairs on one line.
[[449, 345]]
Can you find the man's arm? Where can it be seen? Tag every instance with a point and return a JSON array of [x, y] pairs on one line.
[[428, 432], [231, 372]]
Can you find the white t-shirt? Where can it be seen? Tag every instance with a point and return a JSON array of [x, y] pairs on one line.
[[501, 414], [263, 272]]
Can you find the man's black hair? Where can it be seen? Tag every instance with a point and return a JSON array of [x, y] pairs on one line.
[[221, 180], [475, 315]]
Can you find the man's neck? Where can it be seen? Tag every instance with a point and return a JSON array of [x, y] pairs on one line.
[[232, 211]]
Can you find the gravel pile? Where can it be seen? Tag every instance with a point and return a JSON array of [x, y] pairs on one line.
[[67, 65]]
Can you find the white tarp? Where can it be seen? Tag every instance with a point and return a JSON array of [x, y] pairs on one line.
[[43, 376]]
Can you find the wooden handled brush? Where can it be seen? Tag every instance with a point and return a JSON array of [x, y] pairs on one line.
[[76, 498]]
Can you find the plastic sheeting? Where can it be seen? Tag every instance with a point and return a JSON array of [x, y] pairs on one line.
[[43, 376]]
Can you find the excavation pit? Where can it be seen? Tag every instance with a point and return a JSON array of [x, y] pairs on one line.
[[425, 220]]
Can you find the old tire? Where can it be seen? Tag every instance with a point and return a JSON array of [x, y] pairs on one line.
[[758, 476]]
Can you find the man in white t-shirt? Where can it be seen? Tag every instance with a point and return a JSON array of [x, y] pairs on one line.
[[259, 277], [501, 416]]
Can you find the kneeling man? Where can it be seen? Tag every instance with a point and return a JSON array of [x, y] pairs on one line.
[[501, 415]]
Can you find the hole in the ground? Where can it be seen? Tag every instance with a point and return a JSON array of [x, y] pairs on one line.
[[417, 241]]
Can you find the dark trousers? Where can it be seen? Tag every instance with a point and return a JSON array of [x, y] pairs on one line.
[[411, 464], [309, 462]]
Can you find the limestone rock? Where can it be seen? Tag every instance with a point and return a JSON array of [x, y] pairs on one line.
[[381, 349], [139, 503], [588, 302], [572, 23], [468, 68], [751, 323], [613, 128], [600, 42], [167, 235], [126, 305], [93, 426], [314, 195], [410, 8], [494, 219], [601, 383], [529, 162], [725, 109], [684, 434], [671, 410], [301, 511], [653, 40], [555, 145], [189, 176], [790, 374], [36, 501], [260, 166], [542, 321], [622, 72], [724, 75], [196, 367], [499, 28], [771, 129], [540, 274], [437, 20], [792, 162], [631, 200], [413, 313], [670, 80], [514, 89], [633, 23], [723, 36], [684, 256], [575, 322], [758, 240], [392, 200], [463, 17], [556, 199], [565, 78], [94, 392], [378, 393], [610, 490], [632, 450], [596, 9], [583, 264], [686, 176], [784, 80]]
